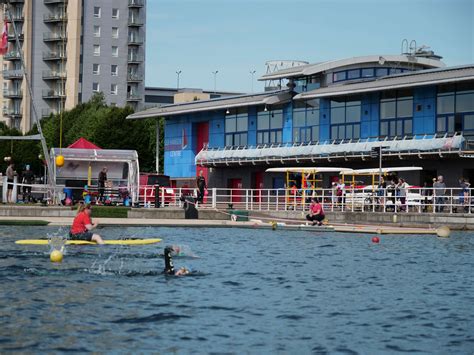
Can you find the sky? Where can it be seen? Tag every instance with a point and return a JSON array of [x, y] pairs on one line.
[[236, 37]]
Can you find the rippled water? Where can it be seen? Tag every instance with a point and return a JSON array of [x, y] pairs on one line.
[[258, 291]]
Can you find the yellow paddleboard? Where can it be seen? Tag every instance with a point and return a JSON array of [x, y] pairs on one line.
[[83, 242]]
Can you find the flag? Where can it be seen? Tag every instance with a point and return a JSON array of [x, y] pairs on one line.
[[4, 44]]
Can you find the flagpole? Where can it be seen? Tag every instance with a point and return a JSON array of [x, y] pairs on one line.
[[33, 105]]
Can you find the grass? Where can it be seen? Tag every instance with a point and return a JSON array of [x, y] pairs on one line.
[[23, 223], [110, 211]]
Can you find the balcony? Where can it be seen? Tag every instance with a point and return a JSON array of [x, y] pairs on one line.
[[46, 112], [135, 3], [135, 59], [49, 94], [53, 75], [54, 56], [15, 17], [12, 55], [12, 113], [12, 38], [13, 74], [12, 94], [54, 36], [47, 2], [49, 18], [134, 77], [135, 41], [131, 96], [134, 22]]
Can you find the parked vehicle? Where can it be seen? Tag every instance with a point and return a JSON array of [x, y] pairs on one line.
[[148, 184]]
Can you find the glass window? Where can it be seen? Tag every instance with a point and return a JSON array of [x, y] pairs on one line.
[[464, 102], [465, 87], [114, 51], [230, 124], [384, 128], [95, 87], [458, 123], [299, 119], [338, 115], [312, 117], [97, 11], [96, 31], [450, 124], [395, 71], [296, 135], [334, 132], [242, 123], [468, 122], [441, 124], [113, 89], [353, 114], [115, 32], [387, 109], [367, 72], [356, 133], [263, 121], [276, 120], [408, 129], [229, 140], [96, 69], [405, 108], [315, 133], [339, 76], [114, 70], [96, 50], [381, 71], [445, 104], [353, 74], [335, 103], [115, 13]]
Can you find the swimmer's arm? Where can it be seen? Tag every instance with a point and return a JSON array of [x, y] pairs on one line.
[[91, 226]]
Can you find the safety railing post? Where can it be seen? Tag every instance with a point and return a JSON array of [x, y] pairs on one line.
[[214, 197], [246, 199]]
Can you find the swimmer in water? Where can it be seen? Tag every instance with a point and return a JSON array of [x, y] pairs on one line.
[[169, 267]]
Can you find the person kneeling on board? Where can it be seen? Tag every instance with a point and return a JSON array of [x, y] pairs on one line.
[[316, 212], [169, 267], [82, 226]]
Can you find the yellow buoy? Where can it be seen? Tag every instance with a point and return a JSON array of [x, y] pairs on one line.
[[59, 161], [274, 225], [56, 256], [443, 232]]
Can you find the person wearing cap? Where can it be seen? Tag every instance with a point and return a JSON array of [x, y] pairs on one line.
[[169, 267], [28, 179], [82, 226]]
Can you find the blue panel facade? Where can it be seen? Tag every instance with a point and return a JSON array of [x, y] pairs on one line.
[[252, 135], [424, 110], [179, 148], [324, 119], [287, 135]]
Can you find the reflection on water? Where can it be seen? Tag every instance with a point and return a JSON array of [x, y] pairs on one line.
[[256, 291]]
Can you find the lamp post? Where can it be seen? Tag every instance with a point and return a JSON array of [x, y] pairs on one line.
[[252, 73], [215, 79], [178, 74]]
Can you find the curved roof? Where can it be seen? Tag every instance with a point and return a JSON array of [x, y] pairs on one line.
[[311, 69]]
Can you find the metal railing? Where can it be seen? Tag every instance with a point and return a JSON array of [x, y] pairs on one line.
[[14, 73]]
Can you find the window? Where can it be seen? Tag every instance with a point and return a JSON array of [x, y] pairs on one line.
[[95, 87], [114, 70], [367, 72], [455, 109], [381, 72], [96, 69], [270, 126], [114, 51], [353, 74], [97, 11], [342, 75], [396, 113], [113, 89], [115, 13], [345, 118], [236, 128], [115, 32], [96, 31], [96, 50], [306, 122]]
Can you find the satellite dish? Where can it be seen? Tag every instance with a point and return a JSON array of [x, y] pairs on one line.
[[381, 60]]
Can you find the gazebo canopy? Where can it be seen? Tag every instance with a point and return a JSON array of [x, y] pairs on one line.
[[83, 143]]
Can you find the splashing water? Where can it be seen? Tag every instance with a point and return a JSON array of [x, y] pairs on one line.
[[57, 241], [183, 250]]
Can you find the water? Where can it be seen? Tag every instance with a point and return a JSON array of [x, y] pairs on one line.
[[258, 291]]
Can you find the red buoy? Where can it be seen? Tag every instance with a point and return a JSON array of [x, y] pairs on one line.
[[375, 240]]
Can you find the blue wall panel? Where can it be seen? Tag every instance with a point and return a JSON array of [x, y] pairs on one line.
[[324, 115], [287, 135], [424, 110], [252, 126]]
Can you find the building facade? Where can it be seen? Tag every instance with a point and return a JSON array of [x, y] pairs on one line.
[[71, 50], [330, 114]]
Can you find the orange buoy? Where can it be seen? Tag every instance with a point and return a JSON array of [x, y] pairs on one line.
[[375, 240]]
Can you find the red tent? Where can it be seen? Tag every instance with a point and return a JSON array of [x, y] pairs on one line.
[[83, 143]]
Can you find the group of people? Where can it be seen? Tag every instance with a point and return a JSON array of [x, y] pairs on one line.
[[27, 178]]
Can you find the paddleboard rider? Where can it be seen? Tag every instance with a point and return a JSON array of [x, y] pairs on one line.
[[82, 226], [169, 267]]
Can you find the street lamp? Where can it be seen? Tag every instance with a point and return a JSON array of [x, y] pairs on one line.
[[215, 79], [178, 74], [252, 72]]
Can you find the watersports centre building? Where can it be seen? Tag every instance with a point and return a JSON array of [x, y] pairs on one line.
[[329, 114]]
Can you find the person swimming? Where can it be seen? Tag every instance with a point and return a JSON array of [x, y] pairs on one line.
[[169, 266]]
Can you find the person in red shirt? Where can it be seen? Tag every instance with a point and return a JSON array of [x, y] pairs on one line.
[[82, 226], [316, 212]]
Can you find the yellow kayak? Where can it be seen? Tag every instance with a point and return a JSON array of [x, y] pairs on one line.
[[83, 242]]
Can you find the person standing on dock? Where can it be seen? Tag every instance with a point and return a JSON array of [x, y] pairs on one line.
[[28, 179], [10, 177], [102, 180], [439, 190], [201, 185]]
